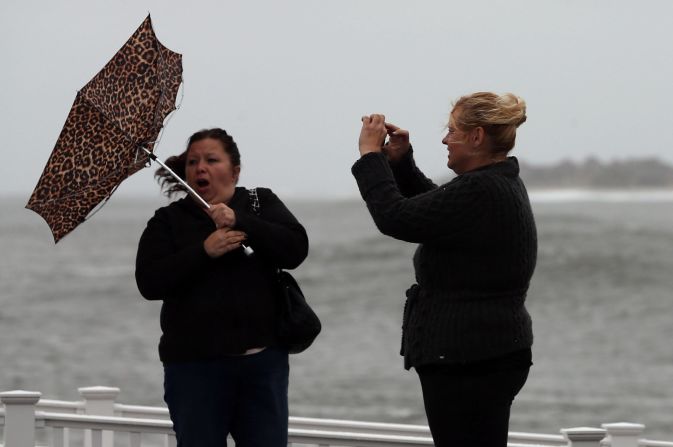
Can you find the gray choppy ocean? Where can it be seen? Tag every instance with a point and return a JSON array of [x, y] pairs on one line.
[[601, 300]]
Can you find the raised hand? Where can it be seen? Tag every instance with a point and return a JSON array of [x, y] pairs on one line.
[[398, 143], [372, 134]]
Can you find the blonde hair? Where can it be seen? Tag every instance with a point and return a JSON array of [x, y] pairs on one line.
[[498, 115]]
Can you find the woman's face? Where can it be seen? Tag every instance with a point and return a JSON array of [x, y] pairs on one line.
[[457, 143], [210, 172], [466, 151]]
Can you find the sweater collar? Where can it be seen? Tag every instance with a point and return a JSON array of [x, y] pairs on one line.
[[508, 167]]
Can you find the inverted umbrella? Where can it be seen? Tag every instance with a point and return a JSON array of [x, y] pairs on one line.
[[110, 131]]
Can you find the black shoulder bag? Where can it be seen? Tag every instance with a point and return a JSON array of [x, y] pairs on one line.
[[298, 325]]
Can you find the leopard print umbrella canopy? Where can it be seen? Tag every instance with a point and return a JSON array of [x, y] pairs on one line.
[[120, 110]]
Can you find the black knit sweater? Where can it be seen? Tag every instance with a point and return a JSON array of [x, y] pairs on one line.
[[477, 253], [217, 307]]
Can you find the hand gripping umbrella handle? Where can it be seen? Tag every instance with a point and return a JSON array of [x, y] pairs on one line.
[[247, 250]]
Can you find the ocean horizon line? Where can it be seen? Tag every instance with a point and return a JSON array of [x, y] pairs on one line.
[[536, 195]]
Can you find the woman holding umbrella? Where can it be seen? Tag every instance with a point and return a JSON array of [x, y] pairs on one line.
[[466, 330], [224, 370]]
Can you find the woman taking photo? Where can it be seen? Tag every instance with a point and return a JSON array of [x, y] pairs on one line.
[[224, 370], [466, 330]]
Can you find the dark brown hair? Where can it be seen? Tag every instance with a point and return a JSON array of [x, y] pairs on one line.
[[169, 184]]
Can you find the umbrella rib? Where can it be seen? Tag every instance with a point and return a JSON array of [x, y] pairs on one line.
[[101, 204], [163, 89], [84, 189], [169, 116]]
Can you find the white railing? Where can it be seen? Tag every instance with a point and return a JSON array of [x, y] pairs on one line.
[[99, 421]]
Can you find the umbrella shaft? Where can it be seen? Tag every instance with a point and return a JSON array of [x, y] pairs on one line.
[[177, 177]]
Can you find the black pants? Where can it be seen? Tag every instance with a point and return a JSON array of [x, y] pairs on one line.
[[467, 410], [245, 396]]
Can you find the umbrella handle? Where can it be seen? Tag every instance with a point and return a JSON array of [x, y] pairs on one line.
[[247, 250]]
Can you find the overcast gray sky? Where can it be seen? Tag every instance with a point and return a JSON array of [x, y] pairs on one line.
[[290, 79]]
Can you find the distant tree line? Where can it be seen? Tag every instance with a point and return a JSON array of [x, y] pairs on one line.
[[592, 173]]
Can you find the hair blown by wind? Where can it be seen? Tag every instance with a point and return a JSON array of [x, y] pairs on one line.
[[498, 115]]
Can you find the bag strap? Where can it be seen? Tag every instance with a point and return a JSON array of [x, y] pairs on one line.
[[255, 207], [254, 201]]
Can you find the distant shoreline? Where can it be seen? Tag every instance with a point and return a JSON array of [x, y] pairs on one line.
[[549, 195], [636, 174]]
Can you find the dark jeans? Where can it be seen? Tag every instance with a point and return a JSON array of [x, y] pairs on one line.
[[242, 395], [466, 410]]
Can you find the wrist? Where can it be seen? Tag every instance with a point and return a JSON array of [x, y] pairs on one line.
[[368, 149]]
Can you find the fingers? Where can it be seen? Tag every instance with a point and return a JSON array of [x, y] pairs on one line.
[[372, 134], [228, 236], [377, 119], [391, 128], [222, 241], [222, 215], [373, 120], [398, 144], [217, 208], [228, 233], [374, 125]]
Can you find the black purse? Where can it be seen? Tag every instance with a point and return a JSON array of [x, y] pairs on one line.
[[298, 325]]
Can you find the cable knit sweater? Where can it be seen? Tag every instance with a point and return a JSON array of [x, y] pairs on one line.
[[477, 254], [217, 307]]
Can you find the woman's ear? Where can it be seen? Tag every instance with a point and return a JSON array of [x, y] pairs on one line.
[[477, 136], [237, 173]]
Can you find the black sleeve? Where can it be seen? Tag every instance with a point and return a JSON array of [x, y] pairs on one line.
[[410, 180], [162, 269], [275, 233], [443, 213]]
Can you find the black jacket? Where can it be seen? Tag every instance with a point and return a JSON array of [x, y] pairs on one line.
[[477, 254], [217, 307]]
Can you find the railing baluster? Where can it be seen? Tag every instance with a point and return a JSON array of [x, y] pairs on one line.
[[171, 440], [58, 437], [135, 439], [96, 438]]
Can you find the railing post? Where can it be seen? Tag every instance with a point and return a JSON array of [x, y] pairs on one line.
[[99, 401], [584, 436], [623, 434], [19, 417]]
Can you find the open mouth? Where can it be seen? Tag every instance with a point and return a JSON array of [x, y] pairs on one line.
[[202, 183]]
